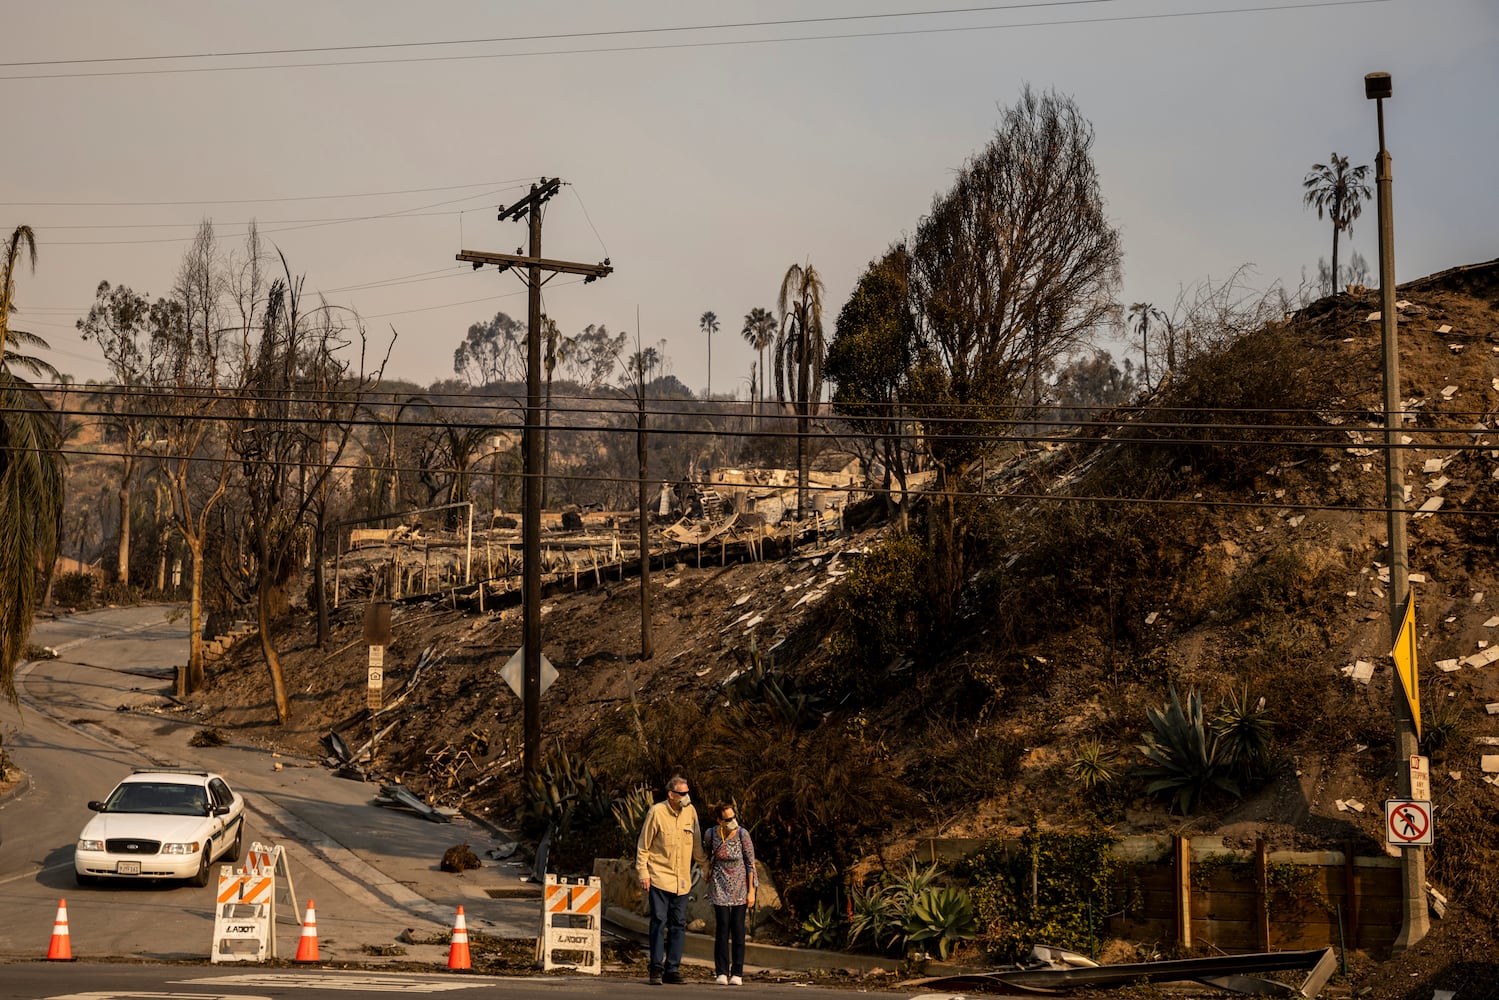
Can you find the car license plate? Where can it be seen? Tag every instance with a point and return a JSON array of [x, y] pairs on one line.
[[127, 868]]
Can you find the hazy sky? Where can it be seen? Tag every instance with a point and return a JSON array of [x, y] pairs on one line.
[[703, 162]]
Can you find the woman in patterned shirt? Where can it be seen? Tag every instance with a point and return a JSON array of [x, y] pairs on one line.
[[732, 881]]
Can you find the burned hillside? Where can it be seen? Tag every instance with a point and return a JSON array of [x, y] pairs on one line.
[[1224, 538]]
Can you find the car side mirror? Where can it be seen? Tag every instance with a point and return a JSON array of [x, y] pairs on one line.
[[96, 805], [218, 810]]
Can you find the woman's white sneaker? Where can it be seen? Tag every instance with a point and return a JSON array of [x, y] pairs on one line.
[[722, 980], [736, 980]]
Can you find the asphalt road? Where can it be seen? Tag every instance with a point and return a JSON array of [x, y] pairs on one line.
[[373, 871]]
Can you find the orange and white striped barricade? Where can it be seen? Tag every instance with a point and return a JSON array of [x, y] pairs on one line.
[[243, 916], [571, 924], [272, 860]]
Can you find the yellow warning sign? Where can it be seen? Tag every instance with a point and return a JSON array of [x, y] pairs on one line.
[[1404, 655]]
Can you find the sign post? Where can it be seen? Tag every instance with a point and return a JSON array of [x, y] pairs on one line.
[[376, 691]]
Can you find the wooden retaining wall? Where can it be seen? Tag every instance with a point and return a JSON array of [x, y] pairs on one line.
[[1238, 901]]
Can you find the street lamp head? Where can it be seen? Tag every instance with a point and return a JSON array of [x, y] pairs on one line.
[[1376, 86]]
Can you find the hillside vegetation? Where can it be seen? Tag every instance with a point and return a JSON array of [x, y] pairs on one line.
[[1222, 541]]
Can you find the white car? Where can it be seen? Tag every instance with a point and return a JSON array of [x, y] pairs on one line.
[[161, 823]]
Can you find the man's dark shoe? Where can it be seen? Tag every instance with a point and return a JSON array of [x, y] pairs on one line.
[[673, 977], [655, 976]]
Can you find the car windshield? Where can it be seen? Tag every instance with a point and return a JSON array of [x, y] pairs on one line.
[[173, 799]]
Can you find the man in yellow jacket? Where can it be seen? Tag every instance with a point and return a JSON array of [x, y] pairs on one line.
[[670, 841]]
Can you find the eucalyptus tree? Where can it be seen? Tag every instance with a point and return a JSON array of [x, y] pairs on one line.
[[708, 323], [31, 471], [1337, 190], [1014, 268], [119, 322], [304, 380], [492, 352], [800, 351]]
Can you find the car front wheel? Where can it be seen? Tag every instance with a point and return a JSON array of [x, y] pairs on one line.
[[201, 879], [85, 881]]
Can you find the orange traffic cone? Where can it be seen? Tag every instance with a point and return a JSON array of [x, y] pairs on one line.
[[307, 946], [61, 948], [458, 950]]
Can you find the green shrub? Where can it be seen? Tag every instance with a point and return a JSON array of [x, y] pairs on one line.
[[1052, 888], [75, 590], [880, 606]]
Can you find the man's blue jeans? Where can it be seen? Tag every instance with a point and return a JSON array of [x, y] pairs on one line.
[[668, 928]]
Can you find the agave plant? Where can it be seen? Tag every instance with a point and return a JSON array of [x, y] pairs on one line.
[[1244, 734], [823, 926], [1183, 754], [1095, 766], [944, 915], [629, 811], [878, 920], [905, 886]]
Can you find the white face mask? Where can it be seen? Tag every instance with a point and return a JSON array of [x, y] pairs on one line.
[[731, 825], [684, 801]]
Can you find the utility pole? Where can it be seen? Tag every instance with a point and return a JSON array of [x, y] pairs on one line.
[[529, 208], [1415, 922]]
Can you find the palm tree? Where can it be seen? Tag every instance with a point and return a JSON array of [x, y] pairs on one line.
[[799, 354], [759, 332], [1142, 313], [1338, 190], [708, 323], [31, 478]]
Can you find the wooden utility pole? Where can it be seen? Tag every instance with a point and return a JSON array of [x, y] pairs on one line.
[[529, 208]]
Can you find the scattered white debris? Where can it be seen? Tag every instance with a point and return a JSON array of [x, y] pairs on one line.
[[1334, 467], [1150, 618], [1355, 805], [1456, 348], [1342, 806], [1350, 593], [674, 581], [1438, 483], [1360, 671], [1448, 391], [703, 671], [1477, 597], [1447, 666], [1455, 775], [1429, 507], [1444, 328], [1492, 708], [1482, 659], [753, 622], [1416, 578], [1373, 317], [742, 618], [744, 599], [1491, 622], [1489, 763], [547, 609], [1295, 522], [1359, 748], [811, 598], [1432, 465]]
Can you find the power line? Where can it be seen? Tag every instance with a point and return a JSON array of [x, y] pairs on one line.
[[656, 47], [505, 185]]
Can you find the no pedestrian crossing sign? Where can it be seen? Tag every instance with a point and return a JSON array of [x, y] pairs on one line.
[[1407, 823]]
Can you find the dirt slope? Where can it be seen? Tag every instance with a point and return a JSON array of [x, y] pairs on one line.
[[1269, 575]]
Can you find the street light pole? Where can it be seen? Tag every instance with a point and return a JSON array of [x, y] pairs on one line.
[[1415, 922]]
